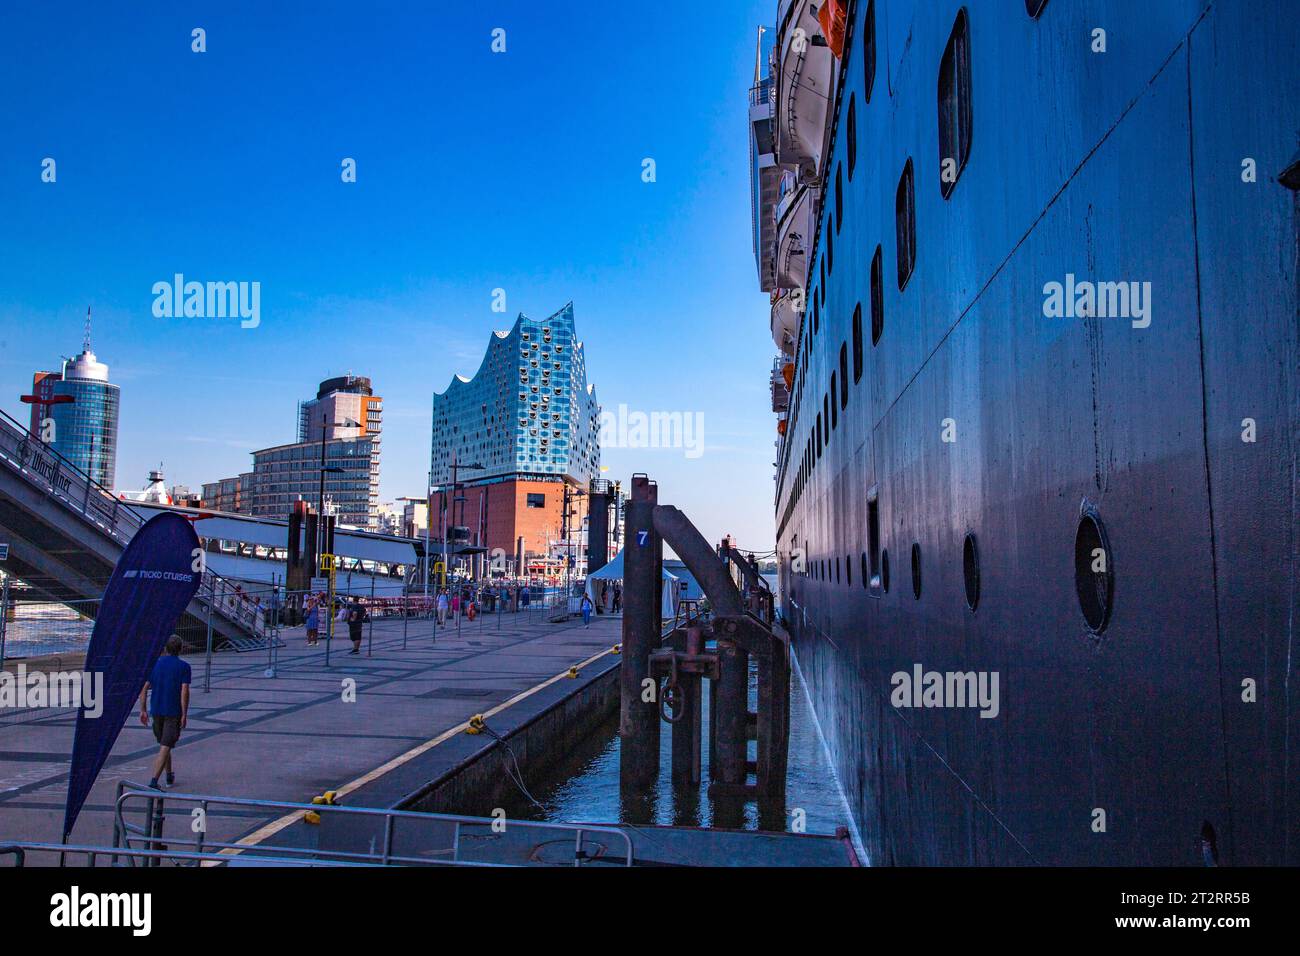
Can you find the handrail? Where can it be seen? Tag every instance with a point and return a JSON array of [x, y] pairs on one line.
[[17, 849], [60, 478], [93, 851], [124, 831]]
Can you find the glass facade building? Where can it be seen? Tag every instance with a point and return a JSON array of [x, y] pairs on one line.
[[85, 429], [527, 411], [286, 473]]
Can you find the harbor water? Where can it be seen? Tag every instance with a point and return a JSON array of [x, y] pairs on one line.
[[584, 787]]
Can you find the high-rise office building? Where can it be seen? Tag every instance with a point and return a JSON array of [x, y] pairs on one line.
[[85, 428], [338, 401], [346, 416], [518, 433], [288, 473]]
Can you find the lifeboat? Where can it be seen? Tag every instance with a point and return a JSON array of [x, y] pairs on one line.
[[793, 235], [785, 320], [804, 90]]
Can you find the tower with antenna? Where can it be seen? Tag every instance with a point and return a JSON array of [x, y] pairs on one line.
[[85, 427]]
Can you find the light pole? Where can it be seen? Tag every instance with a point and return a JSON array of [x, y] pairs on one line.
[[455, 467], [570, 495], [46, 402], [428, 522]]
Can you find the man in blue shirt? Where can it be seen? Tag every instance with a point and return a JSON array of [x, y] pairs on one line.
[[170, 680]]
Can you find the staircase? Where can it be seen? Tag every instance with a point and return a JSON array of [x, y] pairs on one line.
[[66, 533]]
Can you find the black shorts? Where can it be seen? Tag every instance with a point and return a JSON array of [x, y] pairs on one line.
[[167, 730]]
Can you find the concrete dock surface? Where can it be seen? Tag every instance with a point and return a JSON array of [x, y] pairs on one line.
[[375, 728]]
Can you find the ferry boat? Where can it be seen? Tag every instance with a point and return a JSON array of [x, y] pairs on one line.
[[1033, 279]]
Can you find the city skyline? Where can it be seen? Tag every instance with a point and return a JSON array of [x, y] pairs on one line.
[[403, 274]]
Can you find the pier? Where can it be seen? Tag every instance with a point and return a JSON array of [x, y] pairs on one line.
[[293, 736], [401, 744]]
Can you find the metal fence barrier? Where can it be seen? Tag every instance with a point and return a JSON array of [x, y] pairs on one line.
[[148, 834]]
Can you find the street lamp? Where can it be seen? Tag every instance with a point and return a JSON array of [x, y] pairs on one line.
[[455, 467], [569, 496], [45, 403]]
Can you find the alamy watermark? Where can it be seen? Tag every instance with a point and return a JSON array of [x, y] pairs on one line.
[[208, 300], [636, 429], [922, 688], [53, 689], [1104, 300]]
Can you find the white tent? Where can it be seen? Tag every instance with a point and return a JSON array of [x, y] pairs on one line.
[[614, 572]]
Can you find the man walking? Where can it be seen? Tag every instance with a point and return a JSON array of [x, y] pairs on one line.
[[170, 682], [442, 607]]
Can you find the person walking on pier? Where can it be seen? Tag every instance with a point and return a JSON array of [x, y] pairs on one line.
[[356, 617], [170, 682], [586, 611], [442, 607]]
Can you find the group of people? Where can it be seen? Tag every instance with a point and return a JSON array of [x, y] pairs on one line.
[[449, 603], [350, 612], [606, 595]]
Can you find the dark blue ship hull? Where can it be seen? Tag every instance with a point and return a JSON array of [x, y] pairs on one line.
[[1168, 732]]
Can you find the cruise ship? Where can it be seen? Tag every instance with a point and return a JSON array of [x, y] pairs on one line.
[[1033, 277]]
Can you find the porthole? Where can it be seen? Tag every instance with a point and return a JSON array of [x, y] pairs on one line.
[[844, 376], [905, 225], [955, 123], [877, 297], [839, 198], [848, 571], [869, 50], [857, 343], [970, 561], [1094, 573], [853, 133], [916, 571]]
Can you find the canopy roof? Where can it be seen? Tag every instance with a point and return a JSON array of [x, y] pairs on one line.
[[614, 572]]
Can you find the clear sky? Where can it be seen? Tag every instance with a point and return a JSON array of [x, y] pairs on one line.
[[475, 171]]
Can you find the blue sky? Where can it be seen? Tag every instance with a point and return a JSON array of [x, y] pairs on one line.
[[475, 171]]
